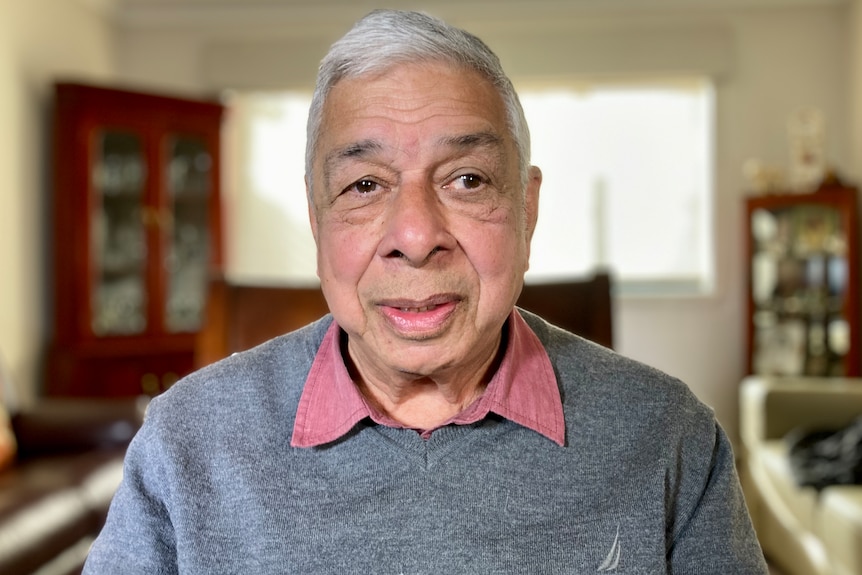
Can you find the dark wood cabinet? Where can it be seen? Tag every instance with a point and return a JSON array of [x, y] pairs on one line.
[[137, 232], [803, 283]]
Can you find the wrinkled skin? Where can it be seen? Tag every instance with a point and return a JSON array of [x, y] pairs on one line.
[[423, 233]]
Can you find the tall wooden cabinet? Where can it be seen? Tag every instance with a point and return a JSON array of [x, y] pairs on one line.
[[803, 283], [137, 232]]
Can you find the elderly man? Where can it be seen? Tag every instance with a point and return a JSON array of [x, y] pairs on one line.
[[426, 426]]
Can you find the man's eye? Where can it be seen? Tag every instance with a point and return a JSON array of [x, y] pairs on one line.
[[470, 181], [364, 186]]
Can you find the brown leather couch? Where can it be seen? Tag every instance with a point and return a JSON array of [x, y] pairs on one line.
[[54, 497]]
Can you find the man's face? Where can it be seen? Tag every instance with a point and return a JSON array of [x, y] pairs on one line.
[[422, 227]]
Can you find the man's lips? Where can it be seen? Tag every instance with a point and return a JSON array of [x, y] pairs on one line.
[[416, 306], [412, 317]]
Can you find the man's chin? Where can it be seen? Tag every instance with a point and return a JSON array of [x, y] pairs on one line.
[[420, 363]]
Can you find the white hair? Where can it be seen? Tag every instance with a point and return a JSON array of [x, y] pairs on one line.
[[385, 38]]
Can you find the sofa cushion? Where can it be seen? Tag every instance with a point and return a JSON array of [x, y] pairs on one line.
[[839, 527], [50, 503], [800, 502]]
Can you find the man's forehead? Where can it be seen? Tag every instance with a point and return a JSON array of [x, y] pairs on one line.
[[417, 108], [370, 147], [413, 85]]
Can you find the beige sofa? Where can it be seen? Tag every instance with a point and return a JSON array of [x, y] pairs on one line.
[[802, 531]]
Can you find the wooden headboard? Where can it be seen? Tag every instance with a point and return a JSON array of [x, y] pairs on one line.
[[581, 305], [241, 316]]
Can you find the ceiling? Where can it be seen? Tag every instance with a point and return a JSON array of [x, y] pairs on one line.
[[179, 12], [328, 18]]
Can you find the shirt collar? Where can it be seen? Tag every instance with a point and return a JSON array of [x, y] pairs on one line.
[[523, 390]]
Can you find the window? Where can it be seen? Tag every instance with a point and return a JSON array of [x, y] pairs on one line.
[[627, 185], [269, 238]]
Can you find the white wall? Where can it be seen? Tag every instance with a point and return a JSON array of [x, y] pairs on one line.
[[39, 40], [766, 61]]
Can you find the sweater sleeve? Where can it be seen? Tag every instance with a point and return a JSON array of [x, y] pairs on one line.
[[138, 537], [714, 534]]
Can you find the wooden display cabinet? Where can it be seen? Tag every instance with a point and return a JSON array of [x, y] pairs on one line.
[[803, 283], [137, 232]]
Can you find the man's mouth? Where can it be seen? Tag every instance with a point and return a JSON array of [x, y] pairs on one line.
[[420, 317], [418, 309], [419, 305]]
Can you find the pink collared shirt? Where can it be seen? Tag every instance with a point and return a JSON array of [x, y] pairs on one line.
[[523, 390]]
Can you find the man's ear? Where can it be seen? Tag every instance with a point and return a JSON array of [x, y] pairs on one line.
[[312, 218], [531, 201]]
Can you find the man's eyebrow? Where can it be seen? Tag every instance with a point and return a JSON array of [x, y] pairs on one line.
[[473, 140], [354, 150], [350, 151]]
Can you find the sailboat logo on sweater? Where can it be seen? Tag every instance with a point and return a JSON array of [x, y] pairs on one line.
[[613, 559]]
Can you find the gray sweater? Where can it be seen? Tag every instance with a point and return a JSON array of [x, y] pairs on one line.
[[645, 483]]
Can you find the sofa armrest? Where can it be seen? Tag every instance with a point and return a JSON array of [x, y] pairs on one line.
[[56, 425], [770, 407]]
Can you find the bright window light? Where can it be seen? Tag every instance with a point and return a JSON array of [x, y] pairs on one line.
[[269, 237], [627, 185]]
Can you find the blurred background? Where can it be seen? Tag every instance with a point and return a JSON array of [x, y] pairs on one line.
[[653, 120]]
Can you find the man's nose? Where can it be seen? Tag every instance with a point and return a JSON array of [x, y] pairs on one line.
[[416, 224]]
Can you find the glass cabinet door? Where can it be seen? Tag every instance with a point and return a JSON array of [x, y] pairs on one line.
[[118, 235], [189, 188], [136, 236], [799, 286]]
